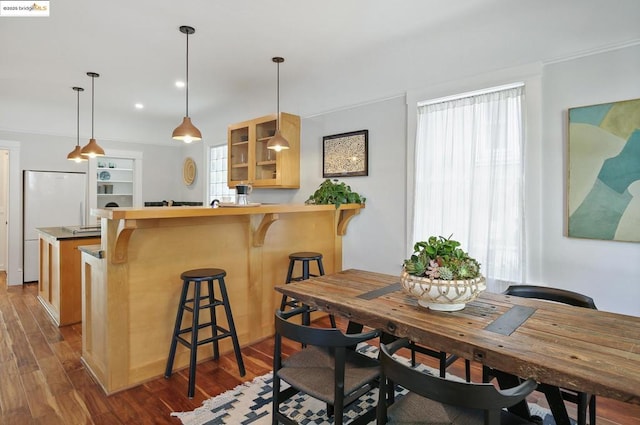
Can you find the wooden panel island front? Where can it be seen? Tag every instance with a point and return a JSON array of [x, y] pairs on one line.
[[131, 286]]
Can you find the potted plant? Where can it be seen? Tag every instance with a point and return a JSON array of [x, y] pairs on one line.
[[336, 193], [441, 275]]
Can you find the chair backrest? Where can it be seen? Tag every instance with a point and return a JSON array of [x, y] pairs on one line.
[[321, 337], [483, 397], [551, 294]]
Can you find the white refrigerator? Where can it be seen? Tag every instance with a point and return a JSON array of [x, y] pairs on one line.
[[51, 199]]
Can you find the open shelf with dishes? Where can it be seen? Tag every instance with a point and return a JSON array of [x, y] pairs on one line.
[[114, 182]]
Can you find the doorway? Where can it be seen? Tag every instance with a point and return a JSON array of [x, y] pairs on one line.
[[4, 204], [13, 211]]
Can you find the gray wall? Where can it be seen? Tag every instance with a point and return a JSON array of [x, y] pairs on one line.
[[608, 271]]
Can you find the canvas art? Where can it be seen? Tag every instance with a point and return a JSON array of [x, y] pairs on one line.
[[345, 154], [604, 171]]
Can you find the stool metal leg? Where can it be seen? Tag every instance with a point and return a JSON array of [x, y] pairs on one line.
[[305, 269], [306, 316], [194, 339], [176, 330], [320, 268], [214, 321], [283, 303], [290, 272], [232, 326]]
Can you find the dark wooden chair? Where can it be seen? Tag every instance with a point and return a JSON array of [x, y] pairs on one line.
[[327, 369], [445, 360], [555, 396], [435, 400]]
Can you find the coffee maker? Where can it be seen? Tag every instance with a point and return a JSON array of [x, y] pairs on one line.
[[242, 194]]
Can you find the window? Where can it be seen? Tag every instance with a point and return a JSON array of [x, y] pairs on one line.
[[469, 178], [218, 188]]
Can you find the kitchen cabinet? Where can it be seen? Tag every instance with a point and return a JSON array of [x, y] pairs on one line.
[[60, 278], [251, 162]]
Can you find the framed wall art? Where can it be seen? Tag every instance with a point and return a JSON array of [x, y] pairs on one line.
[[345, 154], [603, 187]]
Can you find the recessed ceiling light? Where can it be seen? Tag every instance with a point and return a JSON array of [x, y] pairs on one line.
[[180, 84], [139, 106]]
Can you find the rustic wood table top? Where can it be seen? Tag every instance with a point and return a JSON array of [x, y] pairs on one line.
[[576, 348]]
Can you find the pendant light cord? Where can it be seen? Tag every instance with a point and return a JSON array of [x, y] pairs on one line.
[[187, 85], [93, 79], [78, 118], [278, 95]]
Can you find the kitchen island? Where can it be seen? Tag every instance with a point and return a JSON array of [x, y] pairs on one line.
[[59, 282], [131, 289]]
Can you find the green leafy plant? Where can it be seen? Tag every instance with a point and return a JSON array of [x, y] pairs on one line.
[[336, 193], [441, 258]]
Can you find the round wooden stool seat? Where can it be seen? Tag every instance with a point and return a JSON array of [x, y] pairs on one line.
[[305, 256], [203, 274]]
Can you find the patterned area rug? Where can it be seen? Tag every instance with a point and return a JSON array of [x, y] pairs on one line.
[[250, 403]]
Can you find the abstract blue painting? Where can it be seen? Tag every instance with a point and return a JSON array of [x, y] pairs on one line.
[[604, 171]]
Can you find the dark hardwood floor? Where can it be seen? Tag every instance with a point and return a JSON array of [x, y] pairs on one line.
[[42, 380]]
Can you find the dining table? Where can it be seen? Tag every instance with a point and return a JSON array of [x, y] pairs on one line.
[[592, 351]]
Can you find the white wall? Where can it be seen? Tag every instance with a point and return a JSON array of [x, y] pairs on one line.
[[375, 238], [162, 177], [608, 271]]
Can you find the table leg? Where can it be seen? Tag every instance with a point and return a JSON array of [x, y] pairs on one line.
[[556, 404]]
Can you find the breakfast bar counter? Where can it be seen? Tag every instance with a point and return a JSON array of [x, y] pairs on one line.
[[131, 291]]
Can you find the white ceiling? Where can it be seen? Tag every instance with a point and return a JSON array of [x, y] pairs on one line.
[[337, 53]]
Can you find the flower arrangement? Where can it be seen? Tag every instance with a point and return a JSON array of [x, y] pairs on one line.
[[441, 258]]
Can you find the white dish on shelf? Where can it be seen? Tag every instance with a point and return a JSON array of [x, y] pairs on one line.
[[233, 204]]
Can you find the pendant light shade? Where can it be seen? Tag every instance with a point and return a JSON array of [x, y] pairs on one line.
[[76, 154], [187, 132], [278, 142], [92, 149]]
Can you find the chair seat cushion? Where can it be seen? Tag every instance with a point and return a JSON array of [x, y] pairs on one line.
[[311, 370], [413, 409]]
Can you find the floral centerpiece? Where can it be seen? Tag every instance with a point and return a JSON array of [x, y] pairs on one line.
[[441, 275]]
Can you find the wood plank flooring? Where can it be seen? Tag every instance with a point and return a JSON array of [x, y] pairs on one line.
[[42, 380]]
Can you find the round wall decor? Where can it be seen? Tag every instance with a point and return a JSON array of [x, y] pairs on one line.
[[189, 171]]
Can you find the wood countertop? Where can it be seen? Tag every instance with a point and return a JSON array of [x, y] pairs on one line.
[[137, 218], [185, 212]]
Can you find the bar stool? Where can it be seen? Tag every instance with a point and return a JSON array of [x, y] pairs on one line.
[[193, 305], [304, 258]]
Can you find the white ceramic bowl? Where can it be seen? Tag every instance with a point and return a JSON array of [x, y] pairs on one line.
[[442, 295]]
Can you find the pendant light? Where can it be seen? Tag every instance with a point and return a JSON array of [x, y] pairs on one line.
[[278, 142], [187, 132], [76, 155], [92, 149]]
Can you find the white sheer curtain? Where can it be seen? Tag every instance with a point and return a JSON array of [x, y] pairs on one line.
[[469, 179]]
